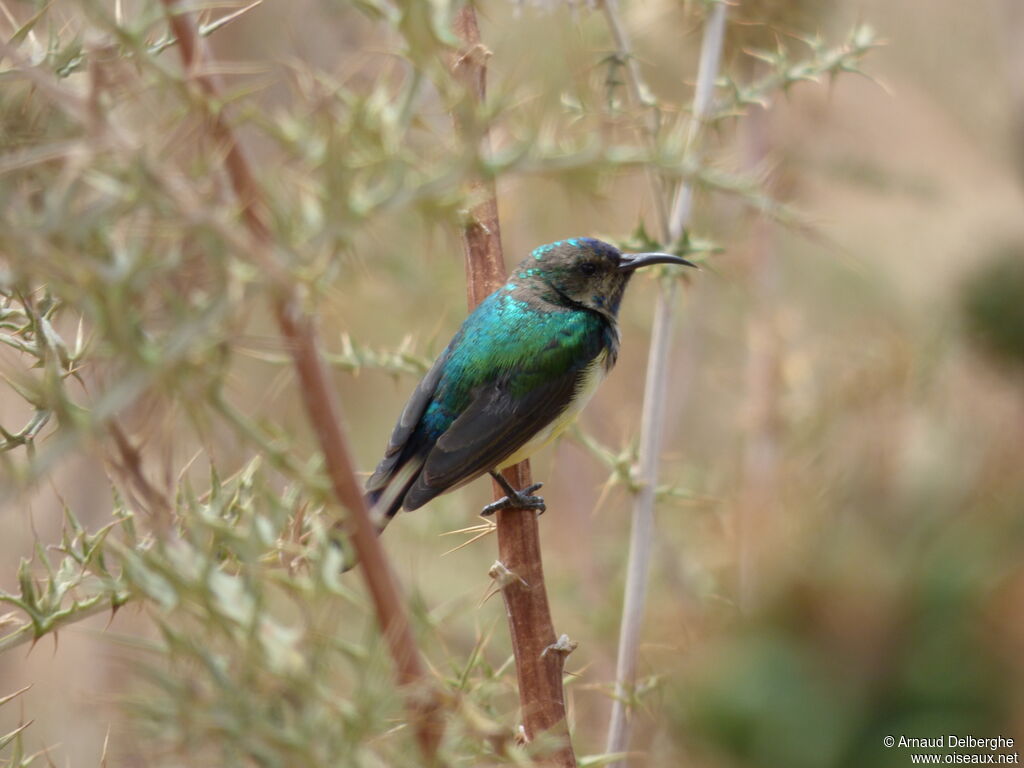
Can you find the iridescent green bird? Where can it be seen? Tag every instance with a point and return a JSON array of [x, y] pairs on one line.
[[521, 367]]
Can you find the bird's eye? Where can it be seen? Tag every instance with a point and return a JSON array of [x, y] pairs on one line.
[[588, 268]]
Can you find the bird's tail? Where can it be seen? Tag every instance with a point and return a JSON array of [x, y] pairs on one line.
[[385, 491], [384, 497]]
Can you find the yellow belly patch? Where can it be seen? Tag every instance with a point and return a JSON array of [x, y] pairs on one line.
[[592, 377]]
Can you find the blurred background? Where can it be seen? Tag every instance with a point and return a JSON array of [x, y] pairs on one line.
[[839, 558]]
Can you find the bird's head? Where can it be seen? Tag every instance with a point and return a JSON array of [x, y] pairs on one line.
[[588, 272]]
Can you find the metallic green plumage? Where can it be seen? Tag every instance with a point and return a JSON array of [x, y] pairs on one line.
[[515, 366]]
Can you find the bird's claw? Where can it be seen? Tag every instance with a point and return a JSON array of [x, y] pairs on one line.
[[523, 499]]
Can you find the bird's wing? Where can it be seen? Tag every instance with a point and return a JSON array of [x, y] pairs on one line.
[[493, 427], [395, 455]]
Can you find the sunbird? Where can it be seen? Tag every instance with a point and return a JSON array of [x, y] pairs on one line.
[[519, 370]]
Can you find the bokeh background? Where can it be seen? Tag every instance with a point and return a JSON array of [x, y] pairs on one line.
[[842, 560]]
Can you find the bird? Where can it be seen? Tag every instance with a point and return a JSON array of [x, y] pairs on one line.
[[514, 376]]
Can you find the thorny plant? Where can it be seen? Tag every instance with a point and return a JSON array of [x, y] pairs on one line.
[[126, 312]]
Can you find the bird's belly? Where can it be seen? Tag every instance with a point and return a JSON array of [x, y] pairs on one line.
[[592, 377]]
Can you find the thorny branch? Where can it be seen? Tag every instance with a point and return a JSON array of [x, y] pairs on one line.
[[656, 388], [298, 329], [539, 672]]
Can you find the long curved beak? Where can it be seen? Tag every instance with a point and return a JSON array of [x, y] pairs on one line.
[[631, 261]]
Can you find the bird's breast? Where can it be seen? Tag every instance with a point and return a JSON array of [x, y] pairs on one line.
[[590, 378]]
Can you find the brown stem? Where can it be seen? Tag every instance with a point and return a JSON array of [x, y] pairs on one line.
[[322, 408], [130, 465], [539, 669]]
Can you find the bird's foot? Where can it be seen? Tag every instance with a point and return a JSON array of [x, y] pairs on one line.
[[513, 499], [523, 499]]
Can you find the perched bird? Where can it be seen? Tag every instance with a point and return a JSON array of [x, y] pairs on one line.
[[521, 367]]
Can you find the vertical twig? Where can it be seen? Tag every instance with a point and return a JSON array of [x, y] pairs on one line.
[[298, 330], [655, 388], [640, 97], [539, 671], [759, 485]]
